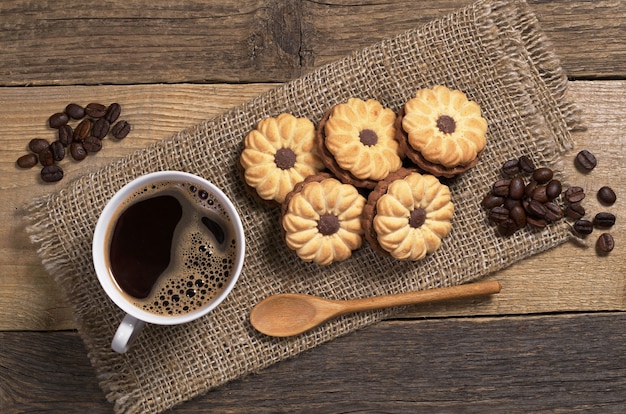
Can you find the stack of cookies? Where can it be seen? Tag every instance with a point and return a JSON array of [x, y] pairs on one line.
[[365, 172]]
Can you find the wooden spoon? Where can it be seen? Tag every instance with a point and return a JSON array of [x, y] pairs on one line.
[[290, 314]]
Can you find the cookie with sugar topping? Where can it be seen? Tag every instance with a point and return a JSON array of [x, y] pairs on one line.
[[357, 142], [442, 131], [321, 219], [407, 215], [277, 154]]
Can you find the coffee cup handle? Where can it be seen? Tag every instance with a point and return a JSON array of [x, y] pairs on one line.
[[126, 333]]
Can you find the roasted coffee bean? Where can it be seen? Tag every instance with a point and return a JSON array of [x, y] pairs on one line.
[[518, 215], [83, 129], [100, 128], [51, 173], [58, 120], [509, 203], [604, 220], [536, 209], [490, 201], [574, 194], [543, 175], [95, 110], [553, 212], [517, 188], [538, 223], [498, 214], [510, 168], [583, 226], [501, 187], [113, 112], [46, 157], [120, 130], [606, 195], [605, 244], [65, 135], [575, 211], [553, 189], [507, 227], [586, 161], [530, 188], [75, 111], [526, 164], [540, 194], [27, 161], [58, 150], [37, 145], [92, 144], [77, 151]]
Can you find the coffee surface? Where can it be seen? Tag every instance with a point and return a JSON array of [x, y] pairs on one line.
[[172, 248]]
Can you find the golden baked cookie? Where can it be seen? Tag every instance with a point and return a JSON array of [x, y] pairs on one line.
[[321, 219], [408, 215], [357, 142], [279, 153], [442, 131]]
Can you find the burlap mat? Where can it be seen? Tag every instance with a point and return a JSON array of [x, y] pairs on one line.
[[492, 50]]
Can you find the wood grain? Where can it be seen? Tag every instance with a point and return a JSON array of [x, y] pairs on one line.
[[569, 278], [567, 363], [121, 42]]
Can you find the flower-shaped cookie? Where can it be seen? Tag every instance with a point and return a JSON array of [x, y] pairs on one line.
[[357, 142], [322, 219], [279, 153], [443, 131], [412, 216]]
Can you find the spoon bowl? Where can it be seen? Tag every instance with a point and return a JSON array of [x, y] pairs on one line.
[[289, 314]]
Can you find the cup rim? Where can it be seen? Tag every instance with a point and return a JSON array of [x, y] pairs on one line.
[[99, 239]]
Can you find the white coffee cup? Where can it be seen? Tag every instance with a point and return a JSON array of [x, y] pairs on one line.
[[136, 316]]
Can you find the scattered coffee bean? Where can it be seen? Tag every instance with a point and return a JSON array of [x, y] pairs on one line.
[[574, 194], [65, 135], [586, 161], [498, 214], [37, 145], [507, 227], [540, 194], [510, 203], [526, 164], [83, 129], [75, 111], [604, 220], [583, 226], [543, 175], [553, 212], [120, 130], [553, 189], [510, 168], [77, 151], [575, 211], [95, 110], [605, 244], [51, 173], [518, 215], [58, 120], [490, 201], [501, 187], [92, 144], [606, 195], [538, 223], [100, 128], [517, 188], [46, 157], [530, 188], [113, 112], [27, 161], [58, 150]]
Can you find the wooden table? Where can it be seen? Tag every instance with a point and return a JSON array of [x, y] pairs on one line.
[[554, 340]]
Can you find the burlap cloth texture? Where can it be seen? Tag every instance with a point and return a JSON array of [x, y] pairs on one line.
[[492, 50]]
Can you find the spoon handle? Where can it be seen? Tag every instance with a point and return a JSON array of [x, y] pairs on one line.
[[422, 296]]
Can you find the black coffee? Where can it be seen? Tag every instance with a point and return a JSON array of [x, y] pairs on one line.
[[172, 248]]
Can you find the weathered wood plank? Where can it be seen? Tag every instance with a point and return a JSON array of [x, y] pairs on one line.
[[569, 278], [57, 43], [565, 363]]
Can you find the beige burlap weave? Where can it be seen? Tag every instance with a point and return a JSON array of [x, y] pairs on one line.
[[492, 50]]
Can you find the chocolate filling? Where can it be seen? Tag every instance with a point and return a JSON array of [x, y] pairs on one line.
[[368, 137], [417, 218], [446, 124], [328, 224], [285, 158]]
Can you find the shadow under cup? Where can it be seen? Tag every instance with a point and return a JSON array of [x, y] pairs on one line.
[[167, 249]]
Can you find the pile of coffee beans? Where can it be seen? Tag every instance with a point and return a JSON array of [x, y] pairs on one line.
[[529, 196], [94, 122]]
